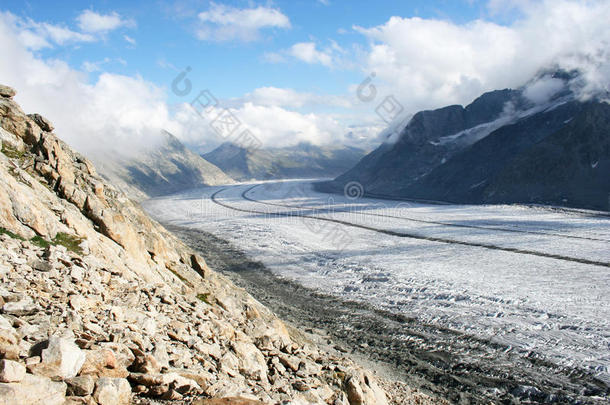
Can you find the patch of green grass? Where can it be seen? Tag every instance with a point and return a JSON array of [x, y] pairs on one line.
[[40, 241], [12, 153], [204, 298], [4, 231], [175, 273], [70, 242]]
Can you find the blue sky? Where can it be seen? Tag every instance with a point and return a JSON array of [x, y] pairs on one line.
[[164, 32], [289, 70]]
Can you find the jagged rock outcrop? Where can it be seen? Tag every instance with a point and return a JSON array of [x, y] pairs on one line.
[[100, 304]]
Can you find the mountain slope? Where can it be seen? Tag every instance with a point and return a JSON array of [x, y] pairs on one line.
[[570, 167], [421, 147], [300, 161], [164, 169], [500, 149]]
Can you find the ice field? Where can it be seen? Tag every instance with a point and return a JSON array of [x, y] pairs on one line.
[[533, 279]]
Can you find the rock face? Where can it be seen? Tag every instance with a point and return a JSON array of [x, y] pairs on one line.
[[300, 161], [122, 308], [502, 148]]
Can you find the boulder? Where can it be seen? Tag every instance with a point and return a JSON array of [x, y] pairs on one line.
[[81, 386], [9, 340], [61, 358], [361, 389], [33, 389], [112, 391], [11, 371], [103, 363], [252, 363], [7, 92]]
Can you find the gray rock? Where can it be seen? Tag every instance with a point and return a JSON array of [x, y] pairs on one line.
[[112, 391], [11, 371], [20, 308], [61, 358], [251, 361], [41, 265], [33, 389], [81, 386]]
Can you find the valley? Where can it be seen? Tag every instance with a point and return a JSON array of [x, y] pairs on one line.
[[466, 301]]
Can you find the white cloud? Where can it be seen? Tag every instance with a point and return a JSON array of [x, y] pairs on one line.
[[429, 63], [273, 126], [308, 52], [38, 35], [130, 40], [35, 35], [94, 66], [543, 89], [122, 114], [114, 113], [90, 21], [225, 23], [282, 97]]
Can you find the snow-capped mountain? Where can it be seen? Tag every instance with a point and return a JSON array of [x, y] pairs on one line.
[[537, 144]]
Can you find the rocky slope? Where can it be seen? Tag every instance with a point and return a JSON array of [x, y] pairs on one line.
[[162, 169], [299, 161], [502, 148], [101, 305]]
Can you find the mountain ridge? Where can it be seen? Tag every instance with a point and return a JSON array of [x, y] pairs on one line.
[[300, 161], [455, 154]]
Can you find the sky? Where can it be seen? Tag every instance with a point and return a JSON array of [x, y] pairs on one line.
[[277, 73]]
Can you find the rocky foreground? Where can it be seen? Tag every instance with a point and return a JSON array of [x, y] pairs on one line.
[[101, 305]]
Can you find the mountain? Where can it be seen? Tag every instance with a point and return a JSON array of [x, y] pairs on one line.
[[502, 148], [166, 168], [300, 161], [99, 304]]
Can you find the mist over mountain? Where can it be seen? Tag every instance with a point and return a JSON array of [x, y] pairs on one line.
[[537, 144], [164, 168], [303, 160]]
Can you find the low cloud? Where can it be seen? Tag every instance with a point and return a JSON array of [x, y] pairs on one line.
[[225, 23], [271, 126], [428, 63], [114, 113], [543, 89]]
